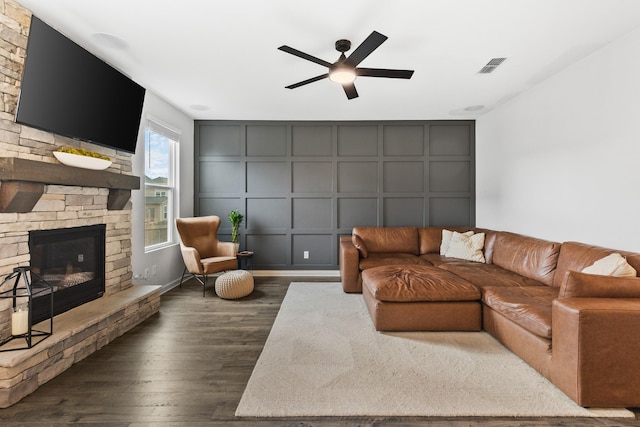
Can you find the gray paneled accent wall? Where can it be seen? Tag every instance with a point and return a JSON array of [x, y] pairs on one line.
[[302, 185]]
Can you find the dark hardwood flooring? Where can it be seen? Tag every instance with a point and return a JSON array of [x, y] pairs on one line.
[[188, 366]]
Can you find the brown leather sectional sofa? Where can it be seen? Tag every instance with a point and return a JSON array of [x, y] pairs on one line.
[[581, 331]]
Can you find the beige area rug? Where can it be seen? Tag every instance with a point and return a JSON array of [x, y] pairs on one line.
[[324, 358]]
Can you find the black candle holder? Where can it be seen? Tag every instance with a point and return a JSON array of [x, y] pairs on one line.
[[26, 286]]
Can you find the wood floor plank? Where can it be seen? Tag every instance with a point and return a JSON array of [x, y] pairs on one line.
[[189, 365]]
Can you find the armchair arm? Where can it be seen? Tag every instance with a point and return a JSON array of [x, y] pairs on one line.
[[592, 285], [349, 266], [226, 249], [191, 259], [596, 348]]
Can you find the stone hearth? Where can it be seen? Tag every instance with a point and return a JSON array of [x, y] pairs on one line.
[[76, 334]]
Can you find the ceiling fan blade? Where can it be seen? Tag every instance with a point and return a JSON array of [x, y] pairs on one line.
[[350, 90], [306, 82], [370, 44], [306, 56], [382, 72]]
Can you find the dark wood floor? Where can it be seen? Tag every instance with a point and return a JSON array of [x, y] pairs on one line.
[[188, 366]]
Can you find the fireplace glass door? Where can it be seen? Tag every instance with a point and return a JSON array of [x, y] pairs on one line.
[[72, 260]]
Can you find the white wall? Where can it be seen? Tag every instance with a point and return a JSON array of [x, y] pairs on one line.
[[561, 161], [167, 260]]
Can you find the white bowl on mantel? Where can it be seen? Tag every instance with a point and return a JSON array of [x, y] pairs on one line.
[[79, 161]]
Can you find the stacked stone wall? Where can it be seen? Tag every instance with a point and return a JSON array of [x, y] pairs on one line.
[[59, 207]]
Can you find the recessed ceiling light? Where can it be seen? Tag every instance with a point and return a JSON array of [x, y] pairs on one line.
[[110, 41], [474, 108], [199, 107]]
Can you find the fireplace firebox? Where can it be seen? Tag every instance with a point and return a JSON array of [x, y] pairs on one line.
[[72, 260]]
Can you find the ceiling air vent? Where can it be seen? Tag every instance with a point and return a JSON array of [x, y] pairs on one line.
[[491, 65]]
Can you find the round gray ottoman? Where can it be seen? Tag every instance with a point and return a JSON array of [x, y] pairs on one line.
[[234, 284]]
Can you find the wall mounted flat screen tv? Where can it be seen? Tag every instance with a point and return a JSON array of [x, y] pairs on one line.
[[69, 91]]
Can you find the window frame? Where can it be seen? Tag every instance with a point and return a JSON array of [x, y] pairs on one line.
[[170, 188]]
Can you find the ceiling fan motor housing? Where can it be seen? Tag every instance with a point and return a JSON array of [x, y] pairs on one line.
[[343, 45]]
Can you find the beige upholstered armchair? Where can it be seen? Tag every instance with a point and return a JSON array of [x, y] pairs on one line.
[[201, 251]]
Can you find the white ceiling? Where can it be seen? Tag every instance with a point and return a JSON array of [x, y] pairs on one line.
[[218, 59]]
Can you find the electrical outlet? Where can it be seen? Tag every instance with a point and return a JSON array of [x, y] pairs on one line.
[[80, 257], [305, 255], [146, 273], [154, 270]]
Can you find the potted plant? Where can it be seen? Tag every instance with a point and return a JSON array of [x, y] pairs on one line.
[[235, 218]]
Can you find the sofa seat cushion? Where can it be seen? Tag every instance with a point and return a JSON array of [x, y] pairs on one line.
[[528, 307], [417, 284], [377, 259], [437, 260], [483, 275]]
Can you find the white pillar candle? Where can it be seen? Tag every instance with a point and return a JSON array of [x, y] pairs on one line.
[[20, 322]]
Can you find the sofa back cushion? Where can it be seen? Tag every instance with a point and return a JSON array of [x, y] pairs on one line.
[[389, 239], [527, 256], [489, 243], [431, 238], [575, 256]]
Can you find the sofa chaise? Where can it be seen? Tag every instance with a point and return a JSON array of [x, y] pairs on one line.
[[538, 298]]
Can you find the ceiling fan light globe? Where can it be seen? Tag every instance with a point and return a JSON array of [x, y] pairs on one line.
[[342, 76]]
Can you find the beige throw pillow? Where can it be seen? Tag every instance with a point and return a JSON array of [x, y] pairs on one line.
[[466, 247], [446, 239], [611, 265]]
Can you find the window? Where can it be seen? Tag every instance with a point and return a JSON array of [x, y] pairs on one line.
[[160, 147]]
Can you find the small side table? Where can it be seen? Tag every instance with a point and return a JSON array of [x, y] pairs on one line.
[[247, 257]]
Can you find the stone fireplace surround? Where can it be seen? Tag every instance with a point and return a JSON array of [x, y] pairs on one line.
[[85, 329]]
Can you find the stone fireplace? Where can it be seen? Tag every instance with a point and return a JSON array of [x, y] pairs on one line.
[[67, 207], [85, 329], [37, 194]]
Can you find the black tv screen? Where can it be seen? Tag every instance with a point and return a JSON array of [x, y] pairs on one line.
[[69, 91]]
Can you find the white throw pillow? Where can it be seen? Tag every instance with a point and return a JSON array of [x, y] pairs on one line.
[[611, 265], [446, 239], [466, 247]]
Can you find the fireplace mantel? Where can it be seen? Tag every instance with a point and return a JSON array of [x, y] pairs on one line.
[[22, 183]]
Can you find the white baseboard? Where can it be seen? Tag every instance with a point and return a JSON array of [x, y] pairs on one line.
[[168, 286], [299, 273]]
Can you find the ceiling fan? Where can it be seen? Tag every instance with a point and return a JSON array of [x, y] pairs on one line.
[[345, 69]]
